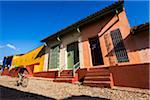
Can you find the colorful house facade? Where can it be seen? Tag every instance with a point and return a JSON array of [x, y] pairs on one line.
[[94, 46], [84, 40], [31, 60], [100, 50]]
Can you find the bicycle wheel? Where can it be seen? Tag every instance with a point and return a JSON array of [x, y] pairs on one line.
[[25, 82], [16, 83]]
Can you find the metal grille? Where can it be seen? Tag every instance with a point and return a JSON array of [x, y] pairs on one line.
[[119, 47]]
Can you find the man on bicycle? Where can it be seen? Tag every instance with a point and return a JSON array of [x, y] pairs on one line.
[[21, 74]]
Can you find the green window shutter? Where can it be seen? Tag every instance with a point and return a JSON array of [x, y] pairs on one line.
[[54, 57]]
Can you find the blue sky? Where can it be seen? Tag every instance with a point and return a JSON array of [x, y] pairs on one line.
[[24, 24]]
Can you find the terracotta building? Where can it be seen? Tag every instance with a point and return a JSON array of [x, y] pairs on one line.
[[99, 50]]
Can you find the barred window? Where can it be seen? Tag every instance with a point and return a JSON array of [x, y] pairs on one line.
[[119, 47]]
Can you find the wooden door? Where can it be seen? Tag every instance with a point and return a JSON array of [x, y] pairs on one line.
[[96, 52], [72, 55]]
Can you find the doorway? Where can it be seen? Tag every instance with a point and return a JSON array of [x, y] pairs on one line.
[[72, 54], [96, 52]]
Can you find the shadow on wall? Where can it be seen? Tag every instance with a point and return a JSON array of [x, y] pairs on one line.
[[84, 97], [135, 42], [42, 52]]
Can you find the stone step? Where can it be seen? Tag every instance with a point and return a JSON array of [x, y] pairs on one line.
[[102, 85], [99, 69], [66, 73], [63, 78], [97, 78], [66, 80], [66, 76], [97, 82], [97, 74]]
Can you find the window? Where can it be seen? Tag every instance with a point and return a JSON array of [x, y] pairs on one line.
[[119, 47], [54, 57]]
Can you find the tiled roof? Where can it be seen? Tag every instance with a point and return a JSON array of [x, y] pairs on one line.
[[139, 28], [86, 20]]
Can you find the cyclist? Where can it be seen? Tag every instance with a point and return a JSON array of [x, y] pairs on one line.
[[21, 74]]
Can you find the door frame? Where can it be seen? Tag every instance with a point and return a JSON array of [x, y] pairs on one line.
[[66, 68], [91, 61]]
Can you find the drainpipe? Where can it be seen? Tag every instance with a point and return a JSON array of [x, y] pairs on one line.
[[45, 44], [78, 30], [58, 38]]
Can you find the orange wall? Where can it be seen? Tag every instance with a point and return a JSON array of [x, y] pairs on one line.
[[87, 32], [95, 29], [112, 23], [136, 76], [124, 27], [142, 46]]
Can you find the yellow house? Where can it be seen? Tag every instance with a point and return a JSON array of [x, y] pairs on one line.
[[30, 58]]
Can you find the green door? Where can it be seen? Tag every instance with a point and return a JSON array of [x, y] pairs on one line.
[[72, 55], [54, 57]]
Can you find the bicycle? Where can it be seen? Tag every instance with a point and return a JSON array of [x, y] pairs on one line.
[[23, 81], [22, 77]]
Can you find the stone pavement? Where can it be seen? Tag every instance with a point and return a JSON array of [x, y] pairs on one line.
[[43, 89]]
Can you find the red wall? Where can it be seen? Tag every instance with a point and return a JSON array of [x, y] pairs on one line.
[[81, 73], [13, 72], [5, 72], [46, 74], [30, 69], [136, 76]]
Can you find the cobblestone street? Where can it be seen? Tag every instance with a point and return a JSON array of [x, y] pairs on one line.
[[39, 89]]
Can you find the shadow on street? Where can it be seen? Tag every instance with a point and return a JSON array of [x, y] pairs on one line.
[[84, 97], [13, 94]]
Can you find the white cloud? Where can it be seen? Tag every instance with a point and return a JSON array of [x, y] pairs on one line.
[[11, 46]]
